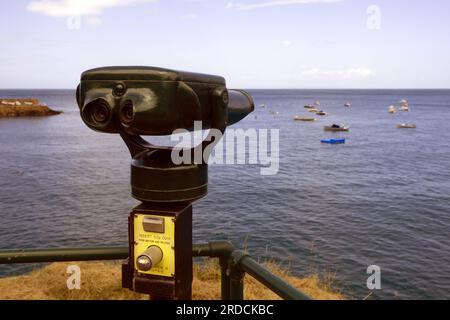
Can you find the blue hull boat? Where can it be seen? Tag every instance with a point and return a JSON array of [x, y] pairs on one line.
[[333, 141]]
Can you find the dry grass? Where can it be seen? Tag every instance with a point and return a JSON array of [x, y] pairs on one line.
[[101, 281]]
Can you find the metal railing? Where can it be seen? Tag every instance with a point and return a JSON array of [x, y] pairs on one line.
[[233, 265]]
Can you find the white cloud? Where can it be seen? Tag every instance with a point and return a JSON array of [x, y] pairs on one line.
[[67, 8], [189, 16], [286, 43], [361, 72], [274, 3], [93, 21], [354, 72]]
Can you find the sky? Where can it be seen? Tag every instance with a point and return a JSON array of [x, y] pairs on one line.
[[252, 43]]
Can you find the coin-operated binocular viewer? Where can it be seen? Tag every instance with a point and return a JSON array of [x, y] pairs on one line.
[[135, 101]]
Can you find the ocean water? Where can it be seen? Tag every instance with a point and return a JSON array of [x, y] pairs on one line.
[[381, 199]]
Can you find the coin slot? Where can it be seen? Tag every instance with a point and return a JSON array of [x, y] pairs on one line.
[[153, 225]]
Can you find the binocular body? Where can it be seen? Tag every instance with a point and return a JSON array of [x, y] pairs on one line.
[[155, 101]]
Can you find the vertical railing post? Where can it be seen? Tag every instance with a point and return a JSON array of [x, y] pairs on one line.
[[236, 278], [225, 277]]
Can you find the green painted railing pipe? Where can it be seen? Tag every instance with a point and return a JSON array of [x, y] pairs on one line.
[[221, 250], [62, 254], [233, 265], [212, 249], [267, 278]]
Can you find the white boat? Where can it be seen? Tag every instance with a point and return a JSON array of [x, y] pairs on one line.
[[336, 128], [321, 113], [348, 104], [392, 109], [404, 108], [313, 110], [300, 118], [406, 126], [404, 105]]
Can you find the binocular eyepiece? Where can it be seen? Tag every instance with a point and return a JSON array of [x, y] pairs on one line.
[[155, 101]]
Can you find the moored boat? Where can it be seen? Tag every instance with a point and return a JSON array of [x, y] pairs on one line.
[[404, 105], [336, 128], [321, 113], [333, 141], [392, 109], [406, 126], [300, 118]]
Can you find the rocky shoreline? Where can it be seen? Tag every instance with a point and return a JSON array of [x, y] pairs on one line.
[[24, 108]]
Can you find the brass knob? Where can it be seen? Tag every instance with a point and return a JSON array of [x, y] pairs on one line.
[[150, 258]]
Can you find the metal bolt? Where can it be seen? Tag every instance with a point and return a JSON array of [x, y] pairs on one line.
[[225, 98], [119, 89]]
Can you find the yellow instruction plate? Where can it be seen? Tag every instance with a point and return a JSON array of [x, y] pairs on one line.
[[150, 230]]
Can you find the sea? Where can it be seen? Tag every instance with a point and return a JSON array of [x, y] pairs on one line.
[[381, 199]]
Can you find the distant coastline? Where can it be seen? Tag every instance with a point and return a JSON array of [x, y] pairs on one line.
[[30, 107]]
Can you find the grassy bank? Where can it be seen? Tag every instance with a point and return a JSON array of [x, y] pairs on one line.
[[100, 280], [24, 108]]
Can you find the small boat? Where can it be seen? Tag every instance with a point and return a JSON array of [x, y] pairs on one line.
[[348, 105], [336, 128], [300, 118], [392, 109], [308, 106], [406, 126], [321, 113], [313, 110], [404, 108], [404, 105], [274, 112], [263, 105], [333, 141]]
